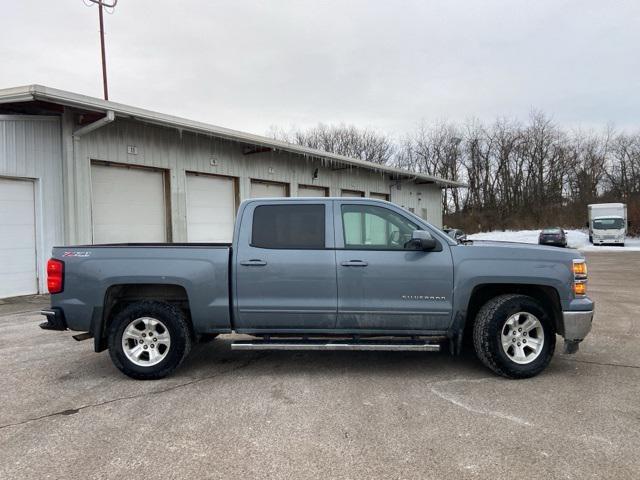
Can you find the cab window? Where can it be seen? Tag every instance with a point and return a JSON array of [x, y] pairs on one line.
[[298, 226], [371, 227]]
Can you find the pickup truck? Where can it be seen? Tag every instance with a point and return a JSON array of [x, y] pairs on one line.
[[323, 274]]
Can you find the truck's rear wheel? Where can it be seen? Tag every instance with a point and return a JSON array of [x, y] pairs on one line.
[[149, 339], [514, 336]]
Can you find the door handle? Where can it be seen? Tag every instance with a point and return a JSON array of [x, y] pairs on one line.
[[354, 263], [254, 262]]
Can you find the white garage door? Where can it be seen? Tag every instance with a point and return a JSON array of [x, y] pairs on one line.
[[266, 189], [211, 208], [17, 238], [311, 191], [379, 196], [127, 205]]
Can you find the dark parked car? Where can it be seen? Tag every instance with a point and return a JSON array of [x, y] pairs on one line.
[[555, 236], [456, 234]]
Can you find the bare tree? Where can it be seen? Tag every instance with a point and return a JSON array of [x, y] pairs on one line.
[[518, 175], [346, 140]]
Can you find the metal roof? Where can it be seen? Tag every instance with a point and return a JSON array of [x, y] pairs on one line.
[[38, 92]]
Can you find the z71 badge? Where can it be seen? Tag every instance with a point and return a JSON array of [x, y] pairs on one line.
[[76, 254]]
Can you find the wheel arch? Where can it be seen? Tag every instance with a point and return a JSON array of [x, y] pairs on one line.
[[119, 296], [547, 296]]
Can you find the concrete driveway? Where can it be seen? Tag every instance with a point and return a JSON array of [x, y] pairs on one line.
[[66, 412]]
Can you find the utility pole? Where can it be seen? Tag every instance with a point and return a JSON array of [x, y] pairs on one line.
[[101, 4]]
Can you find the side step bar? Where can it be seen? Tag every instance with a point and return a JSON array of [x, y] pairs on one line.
[[367, 345]]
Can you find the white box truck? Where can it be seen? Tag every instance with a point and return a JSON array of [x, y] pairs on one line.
[[607, 223]]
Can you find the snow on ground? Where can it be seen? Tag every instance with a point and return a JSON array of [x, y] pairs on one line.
[[575, 238]]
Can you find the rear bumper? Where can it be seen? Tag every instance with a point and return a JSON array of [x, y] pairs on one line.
[[553, 244], [55, 319]]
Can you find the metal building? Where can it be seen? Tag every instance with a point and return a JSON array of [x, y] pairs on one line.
[[79, 170]]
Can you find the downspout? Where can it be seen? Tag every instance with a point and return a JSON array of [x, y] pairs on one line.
[[108, 118], [82, 232]]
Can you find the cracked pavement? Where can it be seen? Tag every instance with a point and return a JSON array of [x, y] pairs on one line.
[[66, 412]]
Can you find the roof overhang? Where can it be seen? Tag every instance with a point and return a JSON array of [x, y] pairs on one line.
[[30, 93]]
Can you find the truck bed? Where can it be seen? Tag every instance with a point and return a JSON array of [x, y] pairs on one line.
[[197, 272]]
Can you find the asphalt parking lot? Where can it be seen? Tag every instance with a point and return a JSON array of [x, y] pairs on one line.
[[66, 412]]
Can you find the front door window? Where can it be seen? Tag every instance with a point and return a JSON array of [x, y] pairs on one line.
[[375, 228]]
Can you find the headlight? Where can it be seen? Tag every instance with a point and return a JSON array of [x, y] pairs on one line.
[[579, 277]]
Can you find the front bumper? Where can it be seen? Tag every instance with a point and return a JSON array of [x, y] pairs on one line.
[[608, 240], [577, 326]]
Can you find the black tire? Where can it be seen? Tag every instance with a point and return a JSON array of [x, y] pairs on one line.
[[487, 331], [175, 322]]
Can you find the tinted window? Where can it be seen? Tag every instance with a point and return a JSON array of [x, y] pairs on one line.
[[372, 227], [288, 226], [608, 223]]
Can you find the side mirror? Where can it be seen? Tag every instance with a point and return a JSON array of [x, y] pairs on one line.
[[423, 240]]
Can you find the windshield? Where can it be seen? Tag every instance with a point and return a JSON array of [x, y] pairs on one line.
[[608, 223], [552, 231]]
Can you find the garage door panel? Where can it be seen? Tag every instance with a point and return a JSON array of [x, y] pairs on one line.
[[211, 208], [124, 233], [16, 260], [14, 211], [210, 233], [379, 196], [12, 234], [268, 190], [16, 191], [17, 238], [127, 205], [311, 191], [17, 284]]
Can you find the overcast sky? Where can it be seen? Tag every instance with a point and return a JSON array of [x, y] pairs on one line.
[[249, 64]]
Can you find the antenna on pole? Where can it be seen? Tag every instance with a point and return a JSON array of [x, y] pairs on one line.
[[101, 5]]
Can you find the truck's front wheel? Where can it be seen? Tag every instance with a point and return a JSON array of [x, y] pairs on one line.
[[149, 339], [514, 336]]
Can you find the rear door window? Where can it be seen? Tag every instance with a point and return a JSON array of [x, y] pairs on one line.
[[300, 226]]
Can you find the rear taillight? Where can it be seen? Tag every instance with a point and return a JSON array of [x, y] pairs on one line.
[[55, 276]]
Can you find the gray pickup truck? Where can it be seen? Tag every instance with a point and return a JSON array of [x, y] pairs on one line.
[[323, 274]]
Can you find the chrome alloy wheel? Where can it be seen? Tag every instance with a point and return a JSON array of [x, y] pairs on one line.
[[146, 341], [522, 337]]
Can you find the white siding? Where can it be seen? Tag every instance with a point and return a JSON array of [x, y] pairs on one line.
[[42, 149], [30, 149], [423, 199], [182, 152]]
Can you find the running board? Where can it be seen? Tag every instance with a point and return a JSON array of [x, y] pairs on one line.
[[378, 346]]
